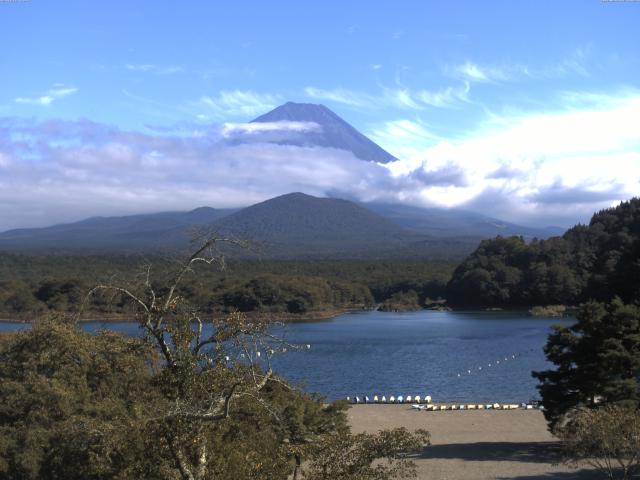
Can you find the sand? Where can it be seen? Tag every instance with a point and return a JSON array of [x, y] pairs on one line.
[[475, 445]]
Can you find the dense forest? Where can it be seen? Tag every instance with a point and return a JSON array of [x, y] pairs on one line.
[[39, 284], [589, 262]]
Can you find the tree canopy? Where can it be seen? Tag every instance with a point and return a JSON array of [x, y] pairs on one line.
[[597, 361], [593, 262]]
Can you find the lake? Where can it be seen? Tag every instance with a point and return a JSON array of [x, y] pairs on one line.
[[452, 356]]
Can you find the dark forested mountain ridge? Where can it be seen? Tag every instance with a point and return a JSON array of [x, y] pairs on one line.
[[289, 226], [127, 233], [596, 261], [306, 225], [292, 225], [333, 131]]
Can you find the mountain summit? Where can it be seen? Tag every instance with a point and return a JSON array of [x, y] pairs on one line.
[[334, 132]]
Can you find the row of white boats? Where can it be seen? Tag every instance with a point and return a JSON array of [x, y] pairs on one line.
[[424, 403]]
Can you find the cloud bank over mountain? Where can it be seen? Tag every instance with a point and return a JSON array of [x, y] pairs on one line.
[[536, 169]]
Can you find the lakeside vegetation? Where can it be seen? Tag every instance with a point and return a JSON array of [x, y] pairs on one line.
[[176, 404], [36, 285], [597, 261]]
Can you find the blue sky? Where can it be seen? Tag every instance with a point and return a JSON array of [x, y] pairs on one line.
[[530, 105]]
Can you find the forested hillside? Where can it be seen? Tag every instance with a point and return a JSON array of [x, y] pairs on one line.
[[596, 261], [38, 284]]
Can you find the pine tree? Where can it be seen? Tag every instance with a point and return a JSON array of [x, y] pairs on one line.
[[597, 360]]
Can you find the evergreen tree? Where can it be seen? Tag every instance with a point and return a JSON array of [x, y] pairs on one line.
[[597, 360]]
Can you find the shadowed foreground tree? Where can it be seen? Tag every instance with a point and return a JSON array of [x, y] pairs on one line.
[[366, 457], [74, 405], [607, 438], [191, 399], [597, 361]]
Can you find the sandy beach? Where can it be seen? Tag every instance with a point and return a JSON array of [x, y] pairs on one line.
[[475, 445]]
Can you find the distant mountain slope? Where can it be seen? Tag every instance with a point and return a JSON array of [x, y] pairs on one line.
[[334, 131], [299, 224], [455, 223], [133, 232], [290, 226]]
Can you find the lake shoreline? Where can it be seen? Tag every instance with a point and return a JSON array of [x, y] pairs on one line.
[[315, 316]]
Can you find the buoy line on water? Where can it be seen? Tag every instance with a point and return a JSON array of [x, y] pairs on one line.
[[492, 364]]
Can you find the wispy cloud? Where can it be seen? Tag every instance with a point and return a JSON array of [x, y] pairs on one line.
[[155, 69], [397, 97], [240, 103], [57, 92], [575, 63], [342, 96]]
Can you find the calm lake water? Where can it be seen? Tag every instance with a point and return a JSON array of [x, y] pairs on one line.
[[415, 353]]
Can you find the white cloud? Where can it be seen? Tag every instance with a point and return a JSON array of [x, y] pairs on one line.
[[231, 129], [446, 97], [400, 98], [548, 167], [574, 63], [157, 69], [342, 96], [55, 93], [4, 160], [472, 72], [587, 156], [405, 138], [240, 103]]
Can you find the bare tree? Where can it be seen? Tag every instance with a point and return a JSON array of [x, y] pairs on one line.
[[209, 365]]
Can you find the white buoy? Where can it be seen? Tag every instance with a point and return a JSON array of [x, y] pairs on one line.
[[458, 374]]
